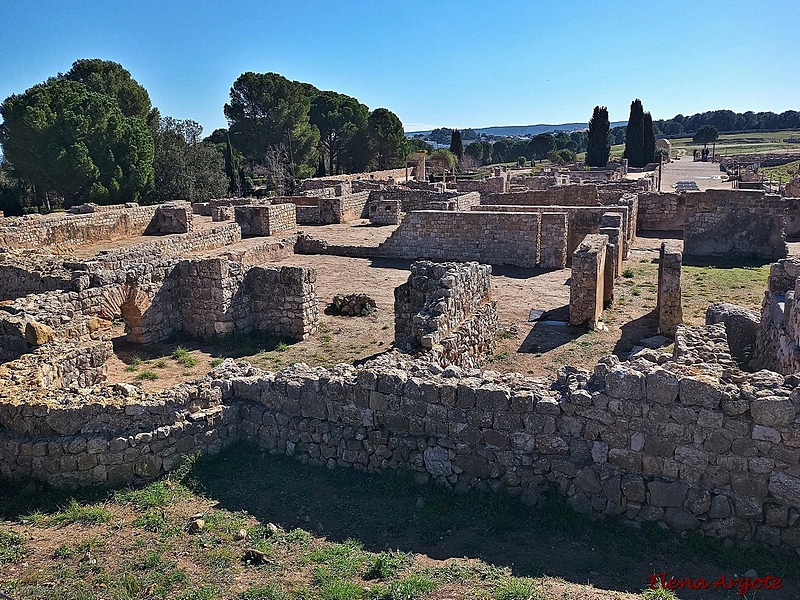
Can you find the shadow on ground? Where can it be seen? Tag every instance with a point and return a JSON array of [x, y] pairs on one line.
[[390, 510]]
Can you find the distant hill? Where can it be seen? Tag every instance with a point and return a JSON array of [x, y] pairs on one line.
[[520, 130]]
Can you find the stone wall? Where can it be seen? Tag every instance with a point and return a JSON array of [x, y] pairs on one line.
[[586, 283], [446, 308], [581, 220], [778, 338], [734, 224], [384, 212], [343, 209], [266, 220], [695, 447], [173, 217], [398, 175], [487, 237], [423, 199], [563, 195], [490, 185], [661, 211], [668, 303], [38, 231], [553, 240]]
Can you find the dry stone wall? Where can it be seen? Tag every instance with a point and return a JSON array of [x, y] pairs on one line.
[[778, 337], [662, 211], [446, 308], [486, 237], [384, 212], [586, 292], [697, 447], [668, 303], [266, 220], [38, 231], [563, 195], [735, 224]]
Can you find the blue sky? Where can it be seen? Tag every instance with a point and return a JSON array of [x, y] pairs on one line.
[[437, 63]]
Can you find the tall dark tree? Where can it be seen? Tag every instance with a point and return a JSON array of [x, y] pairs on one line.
[[75, 145], [598, 148], [267, 112], [339, 119], [649, 139], [634, 136], [112, 79], [387, 140], [456, 147], [540, 145]]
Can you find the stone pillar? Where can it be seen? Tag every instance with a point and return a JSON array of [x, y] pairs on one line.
[[586, 284], [668, 307], [553, 240], [420, 173]]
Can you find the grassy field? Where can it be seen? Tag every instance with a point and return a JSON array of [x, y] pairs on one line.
[[731, 143], [782, 173], [275, 529]]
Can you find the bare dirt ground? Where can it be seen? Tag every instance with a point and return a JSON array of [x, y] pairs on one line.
[[705, 174], [535, 348]]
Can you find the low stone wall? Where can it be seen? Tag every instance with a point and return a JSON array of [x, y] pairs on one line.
[[173, 217], [487, 237], [735, 224], [384, 212], [423, 199], [668, 303], [686, 445], [398, 175], [778, 338], [662, 211], [446, 308], [38, 231], [586, 284], [562, 195], [581, 220], [343, 209], [22, 274], [553, 240], [266, 220], [490, 185]]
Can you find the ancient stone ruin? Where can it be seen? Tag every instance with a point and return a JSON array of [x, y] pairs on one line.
[[705, 438]]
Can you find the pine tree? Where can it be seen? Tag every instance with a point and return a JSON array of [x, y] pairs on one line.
[[456, 147], [649, 139], [598, 148], [634, 136]]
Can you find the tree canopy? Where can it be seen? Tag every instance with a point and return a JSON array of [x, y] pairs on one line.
[[634, 136], [598, 147], [456, 145], [186, 168], [706, 135], [71, 143], [342, 122], [112, 79], [267, 111], [387, 140]]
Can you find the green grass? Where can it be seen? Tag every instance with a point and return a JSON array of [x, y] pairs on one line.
[[147, 376], [658, 593], [387, 564], [12, 548], [268, 591], [158, 494], [782, 173], [628, 273], [75, 512], [516, 588], [215, 362], [183, 357], [410, 588]]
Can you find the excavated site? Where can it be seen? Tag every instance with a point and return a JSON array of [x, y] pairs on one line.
[[383, 320]]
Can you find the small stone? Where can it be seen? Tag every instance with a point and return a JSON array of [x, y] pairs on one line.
[[196, 525], [241, 534]]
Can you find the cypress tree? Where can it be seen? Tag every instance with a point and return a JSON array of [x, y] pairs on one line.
[[598, 148], [649, 139], [634, 136], [456, 147]]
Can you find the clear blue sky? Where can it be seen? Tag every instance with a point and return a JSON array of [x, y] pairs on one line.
[[455, 63]]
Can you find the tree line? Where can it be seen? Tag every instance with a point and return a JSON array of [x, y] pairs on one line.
[[92, 135], [727, 121]]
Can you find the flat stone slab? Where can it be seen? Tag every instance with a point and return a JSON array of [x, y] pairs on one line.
[[535, 315], [655, 342]]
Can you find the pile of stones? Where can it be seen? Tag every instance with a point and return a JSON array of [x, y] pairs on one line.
[[353, 305]]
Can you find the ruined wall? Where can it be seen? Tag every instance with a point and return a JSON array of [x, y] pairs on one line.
[[553, 240], [564, 195], [734, 224], [384, 212], [490, 185], [686, 446], [173, 217], [486, 237], [668, 303], [661, 211], [581, 220], [778, 338], [586, 283], [417, 199], [284, 300], [37, 231], [266, 220], [447, 308], [343, 209]]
